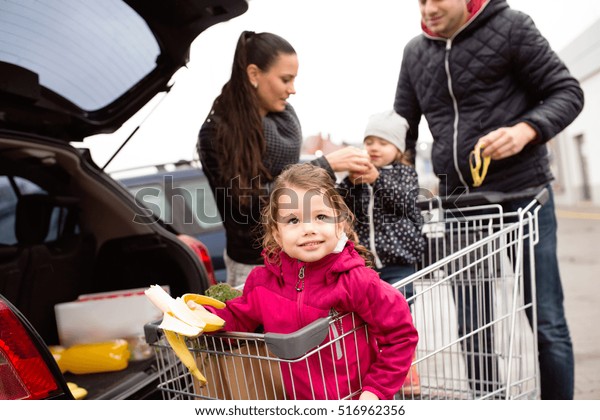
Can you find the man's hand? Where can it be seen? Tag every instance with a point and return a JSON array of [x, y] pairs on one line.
[[506, 141]]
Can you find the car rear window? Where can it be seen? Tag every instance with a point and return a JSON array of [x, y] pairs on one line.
[[125, 50]]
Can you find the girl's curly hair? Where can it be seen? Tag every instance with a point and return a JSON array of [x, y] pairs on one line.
[[311, 178]]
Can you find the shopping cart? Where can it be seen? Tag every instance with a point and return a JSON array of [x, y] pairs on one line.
[[471, 299], [251, 366], [470, 303]]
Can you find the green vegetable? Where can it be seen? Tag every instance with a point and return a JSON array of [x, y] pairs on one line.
[[222, 292]]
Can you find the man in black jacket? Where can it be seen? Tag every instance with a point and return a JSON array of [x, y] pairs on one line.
[[482, 73]]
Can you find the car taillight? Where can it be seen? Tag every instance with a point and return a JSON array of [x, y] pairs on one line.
[[23, 371], [204, 255], [202, 252]]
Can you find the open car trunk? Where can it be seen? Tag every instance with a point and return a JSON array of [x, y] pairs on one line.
[[70, 70], [66, 230]]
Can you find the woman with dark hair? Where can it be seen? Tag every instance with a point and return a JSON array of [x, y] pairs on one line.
[[250, 135]]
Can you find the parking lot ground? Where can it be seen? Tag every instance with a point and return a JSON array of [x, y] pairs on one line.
[[578, 245]]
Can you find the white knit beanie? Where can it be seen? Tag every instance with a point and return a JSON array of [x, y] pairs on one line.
[[389, 126]]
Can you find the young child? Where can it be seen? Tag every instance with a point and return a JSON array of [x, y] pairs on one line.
[[384, 203], [313, 268], [384, 200]]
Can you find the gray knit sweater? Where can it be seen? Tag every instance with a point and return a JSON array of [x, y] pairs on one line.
[[242, 225]]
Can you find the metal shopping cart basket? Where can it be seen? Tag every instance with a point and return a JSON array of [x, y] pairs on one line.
[[470, 302], [472, 298], [243, 366]]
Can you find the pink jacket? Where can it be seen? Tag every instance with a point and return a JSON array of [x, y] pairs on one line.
[[340, 282]]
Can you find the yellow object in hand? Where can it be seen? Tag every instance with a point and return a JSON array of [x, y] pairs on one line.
[[185, 317], [478, 166]]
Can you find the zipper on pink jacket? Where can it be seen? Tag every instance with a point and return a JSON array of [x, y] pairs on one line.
[[300, 288], [300, 281]]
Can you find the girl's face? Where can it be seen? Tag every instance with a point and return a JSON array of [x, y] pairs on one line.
[[306, 227], [275, 85], [381, 152]]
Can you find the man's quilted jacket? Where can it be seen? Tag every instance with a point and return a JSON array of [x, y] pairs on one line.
[[496, 71]]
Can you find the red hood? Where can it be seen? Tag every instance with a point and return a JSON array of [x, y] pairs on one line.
[[474, 6]]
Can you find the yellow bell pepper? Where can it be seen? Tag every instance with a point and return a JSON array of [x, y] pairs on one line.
[[106, 356]]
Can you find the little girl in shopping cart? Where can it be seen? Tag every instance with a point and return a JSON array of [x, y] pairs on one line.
[[314, 268]]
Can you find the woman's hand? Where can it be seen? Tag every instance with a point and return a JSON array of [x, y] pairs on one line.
[[368, 395], [350, 159], [367, 177]]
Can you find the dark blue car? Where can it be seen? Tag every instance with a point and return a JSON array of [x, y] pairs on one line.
[[180, 196]]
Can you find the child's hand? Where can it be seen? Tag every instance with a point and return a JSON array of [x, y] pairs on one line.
[[364, 177], [368, 395]]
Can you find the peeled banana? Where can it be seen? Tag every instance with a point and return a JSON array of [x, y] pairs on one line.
[[185, 317], [213, 322], [171, 323]]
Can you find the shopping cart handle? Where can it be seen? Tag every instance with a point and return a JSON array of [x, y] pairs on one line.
[[296, 344], [542, 196], [484, 198], [151, 331]]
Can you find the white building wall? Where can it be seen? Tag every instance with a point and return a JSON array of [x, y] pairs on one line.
[[583, 59], [588, 126]]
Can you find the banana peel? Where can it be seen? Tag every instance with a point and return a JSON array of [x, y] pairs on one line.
[[478, 165], [203, 300], [177, 343], [185, 317], [171, 323]]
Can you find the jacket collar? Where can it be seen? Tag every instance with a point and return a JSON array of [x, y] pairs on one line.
[[331, 265]]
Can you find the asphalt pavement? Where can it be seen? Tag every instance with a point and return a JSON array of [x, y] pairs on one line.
[[579, 259]]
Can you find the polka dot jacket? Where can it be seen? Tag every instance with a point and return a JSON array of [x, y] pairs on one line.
[[387, 219]]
